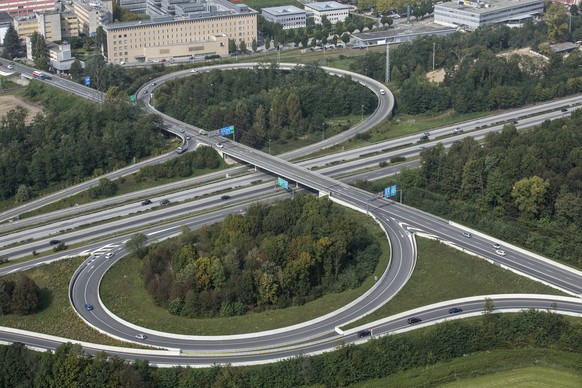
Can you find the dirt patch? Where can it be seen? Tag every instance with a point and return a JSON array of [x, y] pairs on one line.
[[523, 51], [7, 103], [437, 76]]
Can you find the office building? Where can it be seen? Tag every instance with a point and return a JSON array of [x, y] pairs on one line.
[[197, 34], [334, 11], [473, 14], [288, 16], [53, 26], [93, 14], [19, 8]]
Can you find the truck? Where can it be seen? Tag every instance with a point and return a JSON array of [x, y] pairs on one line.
[[38, 74]]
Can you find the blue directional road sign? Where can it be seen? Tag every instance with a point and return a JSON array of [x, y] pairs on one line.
[[87, 81], [226, 131], [283, 183], [390, 191]]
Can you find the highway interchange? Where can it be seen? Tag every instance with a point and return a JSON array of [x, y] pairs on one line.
[[197, 202]]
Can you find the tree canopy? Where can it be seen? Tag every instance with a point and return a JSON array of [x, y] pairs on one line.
[[272, 257]]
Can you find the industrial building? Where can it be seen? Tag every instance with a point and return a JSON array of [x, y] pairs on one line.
[[288, 16]]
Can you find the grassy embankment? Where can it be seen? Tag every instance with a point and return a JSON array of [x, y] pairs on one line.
[[442, 273]]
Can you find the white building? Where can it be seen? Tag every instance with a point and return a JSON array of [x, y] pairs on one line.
[[477, 13], [288, 16], [334, 11]]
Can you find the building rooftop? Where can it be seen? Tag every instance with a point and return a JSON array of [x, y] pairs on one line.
[[222, 8], [486, 6], [284, 10], [327, 6]]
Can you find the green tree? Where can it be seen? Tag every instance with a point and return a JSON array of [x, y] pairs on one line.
[[39, 52], [529, 195], [137, 245], [76, 70], [25, 296], [23, 194], [231, 46], [11, 43], [268, 43], [254, 45], [556, 19]]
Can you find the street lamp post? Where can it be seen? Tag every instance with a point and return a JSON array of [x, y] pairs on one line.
[[362, 115]]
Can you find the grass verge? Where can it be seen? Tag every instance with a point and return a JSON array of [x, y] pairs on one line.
[[56, 317], [124, 294], [443, 273], [497, 368]]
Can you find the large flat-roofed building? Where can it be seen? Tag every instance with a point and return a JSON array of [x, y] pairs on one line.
[[134, 6], [93, 14], [474, 14], [17, 8], [54, 26], [334, 11], [196, 35], [176, 7], [288, 16]]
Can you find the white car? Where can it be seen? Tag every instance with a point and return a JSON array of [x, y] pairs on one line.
[[193, 71], [141, 336], [500, 252], [219, 145], [382, 92], [110, 255], [467, 234], [496, 246]]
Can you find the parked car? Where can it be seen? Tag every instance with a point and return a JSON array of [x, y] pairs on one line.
[[88, 307], [364, 333], [414, 320], [146, 202], [455, 310]]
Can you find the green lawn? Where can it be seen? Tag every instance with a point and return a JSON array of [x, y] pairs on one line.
[[444, 273], [123, 292], [57, 316], [497, 368]]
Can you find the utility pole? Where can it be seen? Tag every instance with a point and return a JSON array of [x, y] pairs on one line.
[[433, 54], [387, 75]]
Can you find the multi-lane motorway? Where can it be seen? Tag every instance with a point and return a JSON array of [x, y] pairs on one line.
[[398, 221]]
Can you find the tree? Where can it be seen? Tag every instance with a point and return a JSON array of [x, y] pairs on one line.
[[268, 43], [254, 45], [345, 37], [556, 19], [231, 46], [137, 245], [243, 46], [529, 195], [76, 70], [39, 54], [11, 43], [23, 194], [25, 296]]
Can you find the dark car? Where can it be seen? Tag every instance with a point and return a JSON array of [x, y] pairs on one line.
[[88, 307], [455, 310], [414, 320], [424, 137], [55, 242], [146, 202], [563, 110], [225, 197], [364, 333], [165, 202]]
